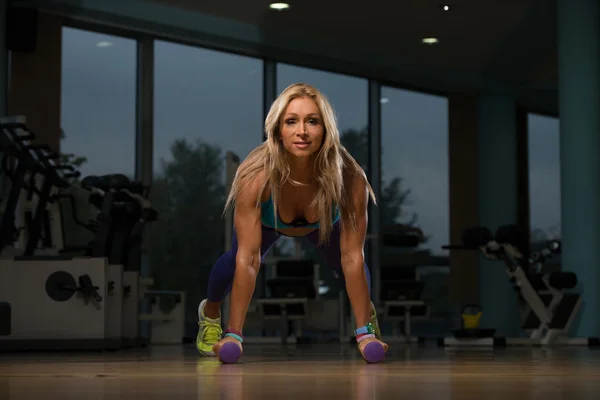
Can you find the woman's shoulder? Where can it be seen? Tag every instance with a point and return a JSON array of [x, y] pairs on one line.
[[356, 184], [354, 176], [256, 184]]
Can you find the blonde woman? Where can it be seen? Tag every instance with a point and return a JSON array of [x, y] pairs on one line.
[[299, 182]]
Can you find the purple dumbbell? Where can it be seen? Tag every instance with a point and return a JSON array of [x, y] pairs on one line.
[[229, 353], [374, 353]]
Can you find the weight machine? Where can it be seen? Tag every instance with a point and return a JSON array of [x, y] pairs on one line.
[[551, 310], [57, 301]]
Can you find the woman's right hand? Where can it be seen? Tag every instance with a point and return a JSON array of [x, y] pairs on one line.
[[217, 347]]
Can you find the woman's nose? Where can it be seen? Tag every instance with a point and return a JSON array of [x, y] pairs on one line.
[[302, 128]]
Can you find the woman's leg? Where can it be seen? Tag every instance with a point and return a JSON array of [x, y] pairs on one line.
[[221, 276], [219, 285]]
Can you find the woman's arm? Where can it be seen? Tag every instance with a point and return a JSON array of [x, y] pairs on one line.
[[352, 242], [247, 263]]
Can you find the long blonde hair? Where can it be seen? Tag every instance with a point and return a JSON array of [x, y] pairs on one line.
[[330, 162]]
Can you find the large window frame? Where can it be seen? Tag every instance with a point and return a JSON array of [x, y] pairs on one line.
[[145, 109]]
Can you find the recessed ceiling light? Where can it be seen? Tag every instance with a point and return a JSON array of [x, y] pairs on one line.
[[446, 7], [430, 40], [279, 6], [104, 43]]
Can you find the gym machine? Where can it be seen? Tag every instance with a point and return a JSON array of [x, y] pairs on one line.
[[44, 224], [293, 298], [50, 301], [401, 295], [166, 316], [401, 288], [32, 221], [124, 209], [295, 302], [61, 302], [19, 160], [550, 310]]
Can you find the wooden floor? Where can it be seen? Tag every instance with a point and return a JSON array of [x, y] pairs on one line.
[[317, 372]]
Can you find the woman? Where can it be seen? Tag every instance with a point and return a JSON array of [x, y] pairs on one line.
[[302, 174]]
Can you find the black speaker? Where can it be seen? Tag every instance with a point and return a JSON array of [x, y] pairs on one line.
[[5, 318], [21, 29]]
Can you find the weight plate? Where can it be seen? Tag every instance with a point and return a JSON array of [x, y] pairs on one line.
[[60, 286]]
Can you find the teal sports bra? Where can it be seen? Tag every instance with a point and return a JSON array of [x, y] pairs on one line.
[[268, 220]]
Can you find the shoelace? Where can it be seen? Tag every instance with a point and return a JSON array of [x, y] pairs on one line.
[[212, 332]]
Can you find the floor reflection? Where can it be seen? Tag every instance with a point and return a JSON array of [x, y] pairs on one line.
[[305, 373]]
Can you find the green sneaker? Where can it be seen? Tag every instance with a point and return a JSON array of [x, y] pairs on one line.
[[374, 321], [209, 332]]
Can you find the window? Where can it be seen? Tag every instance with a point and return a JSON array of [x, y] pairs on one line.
[[206, 103], [349, 98], [544, 178], [98, 113], [98, 101], [414, 168], [414, 163]]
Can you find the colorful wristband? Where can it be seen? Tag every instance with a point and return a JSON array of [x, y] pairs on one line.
[[234, 334], [360, 338], [368, 328], [236, 337]]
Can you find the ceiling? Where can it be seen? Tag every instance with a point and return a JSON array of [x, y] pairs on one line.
[[504, 45], [499, 46], [469, 35]]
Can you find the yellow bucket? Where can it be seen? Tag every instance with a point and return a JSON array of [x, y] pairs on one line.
[[471, 315], [471, 321]]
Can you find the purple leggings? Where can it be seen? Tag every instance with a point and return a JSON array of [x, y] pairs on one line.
[[221, 276]]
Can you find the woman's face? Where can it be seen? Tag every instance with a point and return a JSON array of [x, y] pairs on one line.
[[302, 128]]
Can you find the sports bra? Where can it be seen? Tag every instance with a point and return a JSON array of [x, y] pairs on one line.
[[268, 220]]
